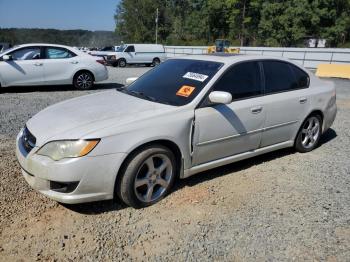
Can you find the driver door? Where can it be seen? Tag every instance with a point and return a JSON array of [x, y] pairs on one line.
[[226, 130], [25, 68], [130, 55]]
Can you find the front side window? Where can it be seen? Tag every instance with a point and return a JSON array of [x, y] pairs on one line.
[[176, 82], [58, 53], [242, 81], [130, 48], [279, 77], [27, 53]]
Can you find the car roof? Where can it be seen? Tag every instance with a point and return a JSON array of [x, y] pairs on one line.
[[231, 58], [43, 44]]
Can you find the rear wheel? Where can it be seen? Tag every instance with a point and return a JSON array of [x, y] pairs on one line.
[[309, 134], [147, 177], [83, 80], [122, 63]]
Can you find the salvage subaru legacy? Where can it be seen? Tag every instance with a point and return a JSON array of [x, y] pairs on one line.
[[183, 117]]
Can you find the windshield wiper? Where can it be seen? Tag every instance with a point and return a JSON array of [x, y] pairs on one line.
[[137, 94], [141, 95]]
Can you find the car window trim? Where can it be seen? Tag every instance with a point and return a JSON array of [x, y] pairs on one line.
[[204, 101], [289, 65]]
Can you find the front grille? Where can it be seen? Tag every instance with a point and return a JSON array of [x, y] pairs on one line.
[[28, 140]]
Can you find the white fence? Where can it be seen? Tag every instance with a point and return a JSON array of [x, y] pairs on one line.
[[308, 57]]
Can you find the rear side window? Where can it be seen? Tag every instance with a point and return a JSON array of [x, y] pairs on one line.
[[279, 77], [301, 77], [58, 53], [242, 81]]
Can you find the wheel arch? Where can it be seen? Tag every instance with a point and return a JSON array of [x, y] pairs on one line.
[[313, 112], [163, 142], [83, 70]]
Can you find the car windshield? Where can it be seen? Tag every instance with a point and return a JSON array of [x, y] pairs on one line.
[[120, 48], [7, 50], [175, 82]]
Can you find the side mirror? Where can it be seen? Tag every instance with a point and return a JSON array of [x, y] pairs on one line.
[[130, 80], [219, 97], [6, 57]]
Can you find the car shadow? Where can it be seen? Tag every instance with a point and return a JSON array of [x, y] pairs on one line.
[[95, 208], [58, 88], [328, 136], [100, 207]]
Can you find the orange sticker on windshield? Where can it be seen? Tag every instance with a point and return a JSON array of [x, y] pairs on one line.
[[185, 91]]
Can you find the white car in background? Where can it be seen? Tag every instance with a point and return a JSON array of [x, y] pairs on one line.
[[149, 54], [46, 64]]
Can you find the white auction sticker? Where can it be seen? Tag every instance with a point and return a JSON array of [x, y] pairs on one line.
[[195, 76]]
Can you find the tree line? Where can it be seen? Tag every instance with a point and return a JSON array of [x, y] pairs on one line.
[[16, 36], [284, 23]]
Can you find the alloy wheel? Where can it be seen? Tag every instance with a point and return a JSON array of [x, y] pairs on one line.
[[84, 81], [153, 178], [310, 132]]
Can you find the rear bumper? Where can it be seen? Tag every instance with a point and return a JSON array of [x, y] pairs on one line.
[[329, 115], [95, 176], [101, 75]]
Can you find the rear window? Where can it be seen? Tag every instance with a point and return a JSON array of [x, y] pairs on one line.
[[176, 82]]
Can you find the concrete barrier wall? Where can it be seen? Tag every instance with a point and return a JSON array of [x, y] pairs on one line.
[[308, 57]]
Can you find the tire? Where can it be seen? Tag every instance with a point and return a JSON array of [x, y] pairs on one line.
[[115, 64], [309, 134], [83, 80], [142, 183], [155, 62], [122, 63]]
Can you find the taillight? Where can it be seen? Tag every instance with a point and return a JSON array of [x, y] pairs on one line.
[[102, 62]]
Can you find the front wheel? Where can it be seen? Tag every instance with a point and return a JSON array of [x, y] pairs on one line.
[[309, 134], [122, 63], [83, 81], [148, 176]]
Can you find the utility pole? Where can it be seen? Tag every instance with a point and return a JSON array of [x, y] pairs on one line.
[[157, 26]]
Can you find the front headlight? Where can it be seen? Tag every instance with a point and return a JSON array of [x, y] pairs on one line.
[[58, 150]]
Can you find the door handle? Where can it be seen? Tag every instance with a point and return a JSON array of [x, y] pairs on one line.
[[303, 100], [74, 62], [38, 64], [256, 110]]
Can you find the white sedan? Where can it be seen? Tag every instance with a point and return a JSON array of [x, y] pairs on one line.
[[183, 117], [46, 64]]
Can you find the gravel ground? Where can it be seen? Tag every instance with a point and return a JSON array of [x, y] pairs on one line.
[[281, 206]]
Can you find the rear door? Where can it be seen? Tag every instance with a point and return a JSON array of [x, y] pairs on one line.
[[60, 63], [286, 101], [25, 68], [226, 130]]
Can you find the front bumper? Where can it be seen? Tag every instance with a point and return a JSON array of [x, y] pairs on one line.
[[95, 175]]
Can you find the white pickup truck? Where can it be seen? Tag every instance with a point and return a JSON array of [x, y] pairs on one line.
[[148, 54], [105, 51]]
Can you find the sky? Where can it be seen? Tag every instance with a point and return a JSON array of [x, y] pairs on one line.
[[58, 14]]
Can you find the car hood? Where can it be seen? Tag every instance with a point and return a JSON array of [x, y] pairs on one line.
[[75, 118]]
